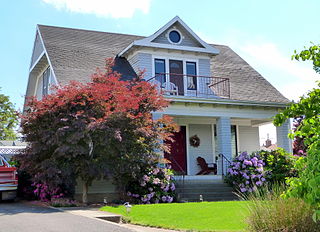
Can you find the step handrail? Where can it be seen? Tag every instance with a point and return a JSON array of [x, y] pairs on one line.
[[222, 165], [180, 168]]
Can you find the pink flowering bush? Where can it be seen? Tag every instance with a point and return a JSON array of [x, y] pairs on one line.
[[46, 192], [155, 186], [246, 173]]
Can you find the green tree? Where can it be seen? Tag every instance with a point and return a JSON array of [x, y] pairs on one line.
[[306, 186], [312, 53], [8, 118]]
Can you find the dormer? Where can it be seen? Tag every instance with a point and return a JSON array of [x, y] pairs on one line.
[[177, 60]]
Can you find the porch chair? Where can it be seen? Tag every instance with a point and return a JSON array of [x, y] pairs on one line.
[[205, 169], [170, 88]]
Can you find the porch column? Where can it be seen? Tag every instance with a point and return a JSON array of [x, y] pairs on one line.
[[282, 136], [224, 142]]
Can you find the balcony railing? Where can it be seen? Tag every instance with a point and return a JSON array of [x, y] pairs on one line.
[[174, 84]]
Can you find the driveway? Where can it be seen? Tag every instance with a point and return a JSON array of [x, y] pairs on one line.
[[16, 217]]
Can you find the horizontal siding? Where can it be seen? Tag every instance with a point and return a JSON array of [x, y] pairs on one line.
[[204, 70], [187, 39], [134, 62], [98, 186], [37, 50], [145, 63], [248, 139], [205, 150]]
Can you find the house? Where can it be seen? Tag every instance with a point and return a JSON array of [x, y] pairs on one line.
[[218, 99]]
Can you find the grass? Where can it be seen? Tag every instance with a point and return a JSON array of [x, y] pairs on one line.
[[204, 216]]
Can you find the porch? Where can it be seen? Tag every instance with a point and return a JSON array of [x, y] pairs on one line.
[[220, 139]]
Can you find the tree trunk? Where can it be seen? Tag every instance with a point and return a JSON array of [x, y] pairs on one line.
[[85, 192]]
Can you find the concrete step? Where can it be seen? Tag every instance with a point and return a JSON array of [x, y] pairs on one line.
[[209, 194], [225, 198], [213, 190], [203, 190]]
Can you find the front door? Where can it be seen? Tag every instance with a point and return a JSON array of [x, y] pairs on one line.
[[176, 74], [178, 151]]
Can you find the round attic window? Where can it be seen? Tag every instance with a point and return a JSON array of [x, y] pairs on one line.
[[174, 36]]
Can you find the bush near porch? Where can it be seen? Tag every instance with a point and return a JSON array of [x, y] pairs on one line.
[[200, 216], [249, 172]]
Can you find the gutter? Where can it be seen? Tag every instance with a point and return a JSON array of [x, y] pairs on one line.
[[227, 102]]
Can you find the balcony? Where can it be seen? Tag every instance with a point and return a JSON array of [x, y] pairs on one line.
[[172, 84]]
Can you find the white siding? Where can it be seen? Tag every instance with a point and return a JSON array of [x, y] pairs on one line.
[[140, 62], [205, 150], [204, 70], [187, 39], [37, 50], [134, 62], [39, 87], [248, 139]]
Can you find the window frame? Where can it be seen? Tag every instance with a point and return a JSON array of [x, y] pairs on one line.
[[46, 81], [179, 32], [193, 76], [164, 73]]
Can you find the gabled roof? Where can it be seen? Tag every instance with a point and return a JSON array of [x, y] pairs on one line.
[[75, 54], [149, 41]]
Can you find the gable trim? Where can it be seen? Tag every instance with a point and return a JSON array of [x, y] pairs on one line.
[[147, 42], [48, 58]]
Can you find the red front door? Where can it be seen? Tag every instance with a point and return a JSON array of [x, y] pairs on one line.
[[178, 151]]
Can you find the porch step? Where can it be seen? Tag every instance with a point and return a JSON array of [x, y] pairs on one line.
[[211, 191]]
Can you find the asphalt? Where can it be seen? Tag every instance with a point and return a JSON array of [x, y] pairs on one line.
[[22, 217]]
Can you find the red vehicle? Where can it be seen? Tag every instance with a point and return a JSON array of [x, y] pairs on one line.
[[8, 180]]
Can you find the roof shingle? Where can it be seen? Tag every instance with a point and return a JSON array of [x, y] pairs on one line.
[[75, 54]]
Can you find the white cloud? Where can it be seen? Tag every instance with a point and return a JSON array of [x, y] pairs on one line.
[[292, 78], [103, 8]]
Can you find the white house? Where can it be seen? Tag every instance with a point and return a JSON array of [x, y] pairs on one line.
[[217, 97]]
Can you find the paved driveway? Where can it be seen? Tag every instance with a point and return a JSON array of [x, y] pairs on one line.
[[16, 217]]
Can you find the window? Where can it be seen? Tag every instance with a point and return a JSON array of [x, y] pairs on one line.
[[45, 82], [191, 75], [160, 70], [174, 36]]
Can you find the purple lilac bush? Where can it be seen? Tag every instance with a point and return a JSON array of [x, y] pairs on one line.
[[156, 186], [246, 173]]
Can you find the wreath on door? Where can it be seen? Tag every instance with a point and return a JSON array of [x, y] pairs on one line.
[[194, 141]]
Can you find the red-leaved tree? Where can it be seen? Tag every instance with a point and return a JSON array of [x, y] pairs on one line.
[[100, 129]]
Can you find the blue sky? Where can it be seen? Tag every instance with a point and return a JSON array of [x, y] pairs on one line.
[[264, 33]]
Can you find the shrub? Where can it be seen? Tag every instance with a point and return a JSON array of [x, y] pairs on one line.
[[246, 173], [64, 202], [279, 165], [154, 186], [269, 212]]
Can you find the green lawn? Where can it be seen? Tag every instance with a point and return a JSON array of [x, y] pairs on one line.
[[205, 216]]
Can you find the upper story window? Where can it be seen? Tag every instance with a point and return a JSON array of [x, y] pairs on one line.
[[174, 36], [191, 75], [160, 70], [45, 82]]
